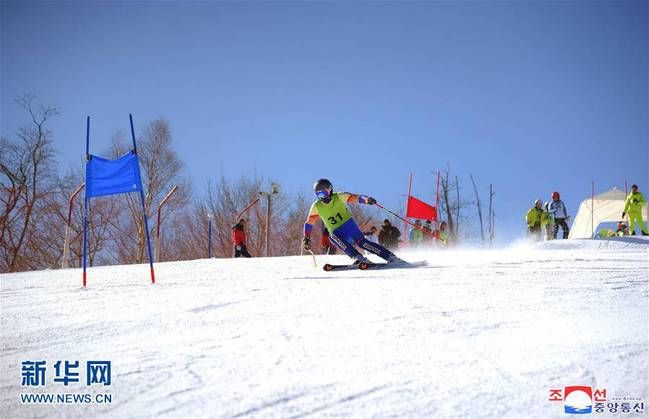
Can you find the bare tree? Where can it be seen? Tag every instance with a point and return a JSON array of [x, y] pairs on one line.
[[224, 201], [452, 207], [227, 199], [25, 173], [161, 169], [288, 239], [13, 185], [477, 200], [186, 237], [491, 215], [446, 202], [458, 206]]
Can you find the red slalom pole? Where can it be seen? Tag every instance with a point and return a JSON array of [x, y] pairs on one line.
[[437, 201], [405, 228], [315, 265]]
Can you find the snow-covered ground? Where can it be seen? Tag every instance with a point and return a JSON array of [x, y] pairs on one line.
[[477, 333]]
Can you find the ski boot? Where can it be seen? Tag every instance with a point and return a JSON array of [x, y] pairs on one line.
[[361, 260]]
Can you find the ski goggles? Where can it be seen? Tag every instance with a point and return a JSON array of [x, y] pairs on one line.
[[323, 194]]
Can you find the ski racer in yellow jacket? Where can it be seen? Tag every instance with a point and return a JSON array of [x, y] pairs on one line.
[[331, 207]]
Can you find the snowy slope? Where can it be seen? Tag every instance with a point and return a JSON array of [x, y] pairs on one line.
[[475, 334]]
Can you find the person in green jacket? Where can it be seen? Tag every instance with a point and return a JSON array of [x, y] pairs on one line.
[[606, 233], [633, 207], [533, 219], [441, 234], [416, 235]]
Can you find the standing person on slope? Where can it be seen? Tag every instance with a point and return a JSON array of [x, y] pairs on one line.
[[389, 235], [533, 219], [239, 240], [343, 231], [633, 207], [560, 214], [441, 234]]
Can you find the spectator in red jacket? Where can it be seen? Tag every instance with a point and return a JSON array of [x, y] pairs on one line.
[[239, 239]]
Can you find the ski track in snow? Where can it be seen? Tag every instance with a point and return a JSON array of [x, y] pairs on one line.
[[477, 333]]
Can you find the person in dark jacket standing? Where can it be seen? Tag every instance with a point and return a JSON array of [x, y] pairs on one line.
[[389, 235], [239, 240]]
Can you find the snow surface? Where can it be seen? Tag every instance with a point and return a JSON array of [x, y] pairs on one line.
[[477, 333]]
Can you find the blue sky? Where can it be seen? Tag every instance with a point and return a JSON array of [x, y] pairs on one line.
[[530, 96]]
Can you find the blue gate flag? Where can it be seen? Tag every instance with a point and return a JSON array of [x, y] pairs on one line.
[[109, 177]]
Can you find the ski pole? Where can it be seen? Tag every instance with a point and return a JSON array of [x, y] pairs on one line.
[[406, 221], [315, 265]]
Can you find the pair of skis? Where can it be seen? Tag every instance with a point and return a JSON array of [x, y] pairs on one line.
[[365, 266]]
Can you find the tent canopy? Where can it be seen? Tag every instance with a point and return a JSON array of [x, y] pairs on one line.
[[605, 207]]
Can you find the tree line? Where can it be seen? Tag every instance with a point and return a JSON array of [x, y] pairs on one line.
[[34, 196]]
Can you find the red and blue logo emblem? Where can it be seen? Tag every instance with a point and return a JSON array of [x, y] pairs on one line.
[[578, 399]]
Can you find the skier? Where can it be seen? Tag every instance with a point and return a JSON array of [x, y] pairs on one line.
[[343, 231], [560, 214], [633, 207], [533, 219], [239, 240]]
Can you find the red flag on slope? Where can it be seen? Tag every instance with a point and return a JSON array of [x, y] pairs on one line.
[[420, 209]]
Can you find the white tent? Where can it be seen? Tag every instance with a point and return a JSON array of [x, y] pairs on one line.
[[605, 207]]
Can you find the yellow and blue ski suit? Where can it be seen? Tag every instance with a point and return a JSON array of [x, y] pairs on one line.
[[343, 230]]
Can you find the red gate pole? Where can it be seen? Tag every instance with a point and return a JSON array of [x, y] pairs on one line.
[[437, 201], [405, 225]]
